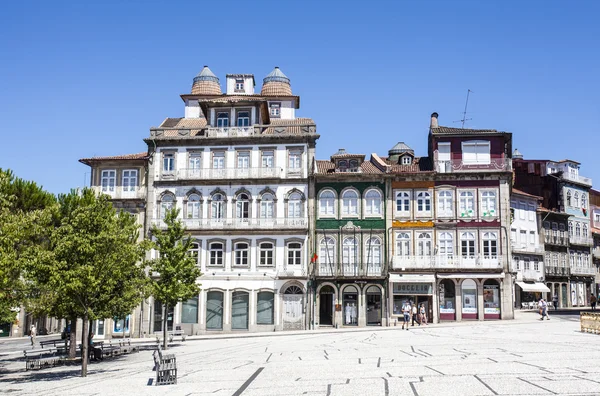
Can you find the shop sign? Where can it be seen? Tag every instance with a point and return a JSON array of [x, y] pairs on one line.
[[447, 310], [412, 288], [491, 311], [469, 310]]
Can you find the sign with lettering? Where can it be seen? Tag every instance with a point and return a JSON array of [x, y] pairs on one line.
[[412, 288]]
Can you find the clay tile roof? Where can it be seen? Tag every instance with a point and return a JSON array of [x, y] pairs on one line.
[[441, 130], [324, 166], [523, 193], [296, 126], [419, 164], [206, 83], [276, 83], [125, 157], [328, 167], [184, 123]]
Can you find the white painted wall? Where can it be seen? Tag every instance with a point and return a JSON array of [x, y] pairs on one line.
[[192, 109], [288, 112], [248, 85]]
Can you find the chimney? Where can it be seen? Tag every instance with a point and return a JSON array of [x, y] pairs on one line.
[[434, 120]]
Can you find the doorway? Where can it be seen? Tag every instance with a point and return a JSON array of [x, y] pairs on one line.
[[373, 306], [326, 306]]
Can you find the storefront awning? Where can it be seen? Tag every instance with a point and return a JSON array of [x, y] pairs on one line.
[[471, 276], [412, 278], [534, 287]]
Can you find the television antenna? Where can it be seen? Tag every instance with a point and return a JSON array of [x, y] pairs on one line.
[[464, 118]]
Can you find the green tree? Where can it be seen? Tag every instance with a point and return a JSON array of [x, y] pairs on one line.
[[176, 270], [96, 267]]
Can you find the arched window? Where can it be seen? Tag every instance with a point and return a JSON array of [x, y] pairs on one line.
[[467, 244], [167, 203], [403, 244], [294, 205], [466, 204], [349, 251], [576, 200], [327, 203], [568, 197], [216, 251], [239, 310], [327, 259], [424, 244], [193, 206], [488, 203], [214, 310], [577, 229], [583, 201], [266, 253], [217, 206], [584, 230], [446, 244], [490, 245], [194, 251], [445, 203], [570, 228], [242, 206], [373, 203], [403, 202], [241, 254], [423, 202], [265, 307], [350, 203], [373, 253], [267, 206]]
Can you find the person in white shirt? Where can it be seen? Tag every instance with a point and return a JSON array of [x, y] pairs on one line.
[[414, 315], [406, 312], [543, 306]]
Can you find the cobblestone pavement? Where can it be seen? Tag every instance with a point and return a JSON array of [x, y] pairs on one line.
[[521, 357]]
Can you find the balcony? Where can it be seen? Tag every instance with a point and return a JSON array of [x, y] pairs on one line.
[[447, 262], [233, 131], [290, 272], [526, 248], [596, 252], [349, 270], [121, 193], [557, 271], [300, 223], [579, 240], [577, 178], [590, 271], [532, 275], [557, 238], [229, 173], [458, 166]]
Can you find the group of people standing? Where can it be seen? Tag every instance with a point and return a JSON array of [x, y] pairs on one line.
[[414, 313]]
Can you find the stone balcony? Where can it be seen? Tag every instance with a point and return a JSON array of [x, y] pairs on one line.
[[119, 192], [233, 131], [531, 275], [557, 238], [231, 173], [526, 248], [349, 270], [300, 223], [577, 178], [557, 271], [576, 270], [579, 240], [460, 166], [478, 262]]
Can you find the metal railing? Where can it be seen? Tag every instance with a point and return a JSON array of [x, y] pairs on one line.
[[229, 173], [561, 238], [577, 178], [233, 131], [123, 193], [349, 270], [557, 271], [235, 223], [447, 262], [579, 240], [583, 270], [458, 165]]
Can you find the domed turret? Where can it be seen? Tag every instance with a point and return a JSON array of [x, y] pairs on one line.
[[206, 83], [276, 84], [517, 154], [398, 151]]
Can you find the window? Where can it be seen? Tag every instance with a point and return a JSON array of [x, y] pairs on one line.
[[167, 203], [266, 254], [214, 310], [240, 304], [350, 203], [327, 251], [373, 203], [267, 206], [522, 210], [490, 245], [568, 197], [516, 263], [446, 244], [327, 203], [218, 160], [583, 201], [243, 160], [532, 237], [406, 160], [189, 310], [294, 253], [476, 152], [531, 212], [570, 228], [294, 206], [445, 203], [576, 200], [194, 160], [403, 244], [526, 263], [242, 206], [513, 235], [536, 265], [466, 204], [193, 207], [467, 245], [403, 202], [423, 202], [241, 253], [217, 206], [265, 307], [129, 180], [584, 231], [194, 251], [222, 120], [239, 84], [275, 109], [168, 162], [295, 160], [373, 251], [522, 238], [216, 252], [424, 244], [243, 119], [488, 203], [349, 251], [268, 159], [572, 259], [108, 180], [577, 229]]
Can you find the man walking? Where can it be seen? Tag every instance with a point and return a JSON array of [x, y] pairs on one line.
[[555, 301], [406, 311], [593, 300], [414, 315], [543, 305], [32, 334]]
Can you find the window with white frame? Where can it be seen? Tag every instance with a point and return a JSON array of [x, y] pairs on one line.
[[531, 212], [349, 251], [168, 162], [239, 84], [568, 197], [294, 205], [555, 260], [194, 160], [583, 201], [445, 204], [194, 251], [536, 265], [222, 120], [350, 203], [525, 264], [576, 199], [327, 251], [275, 109], [266, 252], [516, 263], [129, 180], [513, 235], [373, 252], [424, 244], [467, 245], [217, 206], [242, 206], [596, 217], [570, 228], [522, 210], [488, 203], [423, 201], [490, 245], [572, 259], [466, 204], [294, 250], [446, 244], [241, 253], [295, 160], [268, 159], [243, 118], [403, 202], [584, 231], [108, 180], [476, 152], [267, 206], [193, 207], [577, 229], [373, 203], [406, 160], [403, 244], [532, 237], [327, 203], [523, 238], [218, 160], [243, 160], [216, 252], [167, 203]]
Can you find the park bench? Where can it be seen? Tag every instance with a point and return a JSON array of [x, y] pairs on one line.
[[125, 346], [41, 358], [171, 334], [61, 346], [165, 366]]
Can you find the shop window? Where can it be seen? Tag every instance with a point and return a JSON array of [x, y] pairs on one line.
[[447, 294], [189, 311], [350, 306], [120, 325], [264, 308], [469, 299], [491, 299], [239, 310], [214, 310]]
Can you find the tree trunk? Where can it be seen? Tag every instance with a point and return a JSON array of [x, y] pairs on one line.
[[165, 313], [73, 339], [84, 346]]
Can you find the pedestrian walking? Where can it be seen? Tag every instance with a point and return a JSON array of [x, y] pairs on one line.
[[406, 312], [593, 300], [555, 301], [423, 314], [543, 306], [32, 334], [415, 315]]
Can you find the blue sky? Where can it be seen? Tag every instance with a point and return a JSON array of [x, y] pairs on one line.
[[83, 79]]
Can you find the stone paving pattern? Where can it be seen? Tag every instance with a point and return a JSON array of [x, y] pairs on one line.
[[521, 357]]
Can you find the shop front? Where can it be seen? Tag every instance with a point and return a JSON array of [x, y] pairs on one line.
[[469, 299], [447, 295], [491, 299], [412, 289], [531, 292]]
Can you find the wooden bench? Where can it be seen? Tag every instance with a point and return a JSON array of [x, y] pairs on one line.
[[62, 346], [125, 346], [172, 334], [165, 366], [36, 359]]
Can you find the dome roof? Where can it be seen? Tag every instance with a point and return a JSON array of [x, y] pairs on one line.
[[276, 84], [517, 154], [206, 83], [400, 148]]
